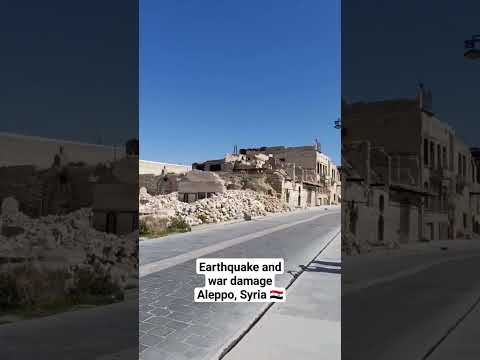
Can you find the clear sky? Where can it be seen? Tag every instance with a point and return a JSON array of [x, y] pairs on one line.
[[253, 73], [389, 49], [69, 70]]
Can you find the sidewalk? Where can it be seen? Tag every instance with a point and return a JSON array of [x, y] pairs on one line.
[[307, 325], [462, 343]]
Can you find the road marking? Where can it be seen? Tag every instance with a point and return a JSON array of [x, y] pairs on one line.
[[404, 273], [167, 263]]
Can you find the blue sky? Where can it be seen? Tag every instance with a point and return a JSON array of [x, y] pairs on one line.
[[63, 78], [389, 49], [253, 73]]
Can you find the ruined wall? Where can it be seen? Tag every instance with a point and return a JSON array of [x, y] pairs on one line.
[[149, 181], [385, 124], [304, 156], [158, 184]]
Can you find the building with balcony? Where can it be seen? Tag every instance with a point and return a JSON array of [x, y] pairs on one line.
[[301, 176], [427, 182]]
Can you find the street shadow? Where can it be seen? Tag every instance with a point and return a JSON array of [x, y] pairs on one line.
[[323, 266], [328, 263]]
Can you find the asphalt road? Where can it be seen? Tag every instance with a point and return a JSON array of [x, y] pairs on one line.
[[408, 306], [172, 325]]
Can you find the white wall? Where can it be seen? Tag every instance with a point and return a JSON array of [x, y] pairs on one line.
[[30, 150], [155, 168]]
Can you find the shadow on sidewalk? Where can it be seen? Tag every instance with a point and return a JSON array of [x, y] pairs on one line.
[[330, 267]]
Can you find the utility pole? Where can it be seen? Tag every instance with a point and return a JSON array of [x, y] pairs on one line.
[[472, 48], [338, 124]]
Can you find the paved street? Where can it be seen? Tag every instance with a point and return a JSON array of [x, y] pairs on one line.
[[307, 326], [96, 333], [172, 326], [412, 305]]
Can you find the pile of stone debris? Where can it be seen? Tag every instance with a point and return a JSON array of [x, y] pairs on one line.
[[67, 246], [230, 205]]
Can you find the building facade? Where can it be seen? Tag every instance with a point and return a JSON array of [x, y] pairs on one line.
[[301, 176], [423, 189]]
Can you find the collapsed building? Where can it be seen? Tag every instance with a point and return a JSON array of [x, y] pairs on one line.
[[197, 185], [65, 186], [399, 192], [300, 176]]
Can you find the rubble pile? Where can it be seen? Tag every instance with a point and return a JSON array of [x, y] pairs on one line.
[[230, 205], [68, 246]]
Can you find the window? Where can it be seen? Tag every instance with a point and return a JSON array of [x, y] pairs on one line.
[[472, 166], [459, 170], [464, 220], [381, 203], [427, 202], [111, 223], [444, 156], [215, 167], [425, 152], [432, 154], [439, 157]]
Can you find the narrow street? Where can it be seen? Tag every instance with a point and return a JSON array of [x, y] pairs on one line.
[[172, 325]]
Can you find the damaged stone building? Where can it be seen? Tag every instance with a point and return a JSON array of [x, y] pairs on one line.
[[397, 191], [301, 176], [159, 177], [60, 180], [197, 185]]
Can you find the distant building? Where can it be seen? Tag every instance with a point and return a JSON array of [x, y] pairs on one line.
[[160, 168], [40, 152], [403, 191], [115, 208], [197, 185], [301, 176], [115, 199]]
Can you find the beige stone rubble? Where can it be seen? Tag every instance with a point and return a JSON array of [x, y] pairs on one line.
[[230, 205]]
